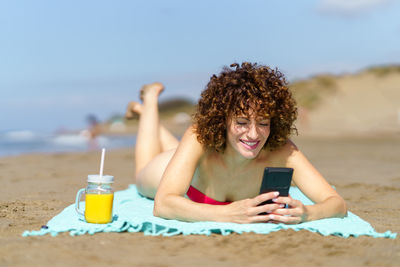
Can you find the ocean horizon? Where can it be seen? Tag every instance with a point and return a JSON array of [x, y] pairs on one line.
[[20, 142]]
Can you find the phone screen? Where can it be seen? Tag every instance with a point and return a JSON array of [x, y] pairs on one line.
[[276, 179]]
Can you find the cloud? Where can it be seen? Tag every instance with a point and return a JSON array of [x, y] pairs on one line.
[[349, 8]]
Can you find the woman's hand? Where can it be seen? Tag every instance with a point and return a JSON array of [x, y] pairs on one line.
[[295, 213], [248, 211]]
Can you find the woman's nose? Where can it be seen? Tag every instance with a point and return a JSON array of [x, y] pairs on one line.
[[252, 133]]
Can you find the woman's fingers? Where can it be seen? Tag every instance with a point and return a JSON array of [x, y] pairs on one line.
[[296, 210], [284, 219], [260, 219], [264, 197], [286, 200], [267, 208], [250, 210], [291, 212]]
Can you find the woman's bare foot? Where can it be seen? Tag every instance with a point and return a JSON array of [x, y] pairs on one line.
[[153, 89], [133, 110]]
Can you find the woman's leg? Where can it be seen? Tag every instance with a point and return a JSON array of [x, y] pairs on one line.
[[148, 143], [167, 139], [152, 140], [152, 137]]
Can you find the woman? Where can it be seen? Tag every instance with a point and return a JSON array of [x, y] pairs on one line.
[[242, 125]]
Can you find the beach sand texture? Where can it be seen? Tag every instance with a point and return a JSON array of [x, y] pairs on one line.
[[365, 171], [353, 138]]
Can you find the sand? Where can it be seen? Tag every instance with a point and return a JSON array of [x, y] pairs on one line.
[[34, 188], [353, 138], [362, 103]]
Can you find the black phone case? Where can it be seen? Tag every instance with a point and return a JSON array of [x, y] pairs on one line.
[[276, 179]]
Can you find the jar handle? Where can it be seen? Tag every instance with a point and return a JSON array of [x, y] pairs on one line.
[[77, 200]]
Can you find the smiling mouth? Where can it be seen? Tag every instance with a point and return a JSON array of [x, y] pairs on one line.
[[250, 145]]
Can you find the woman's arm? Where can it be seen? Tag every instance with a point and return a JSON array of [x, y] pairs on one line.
[[328, 203], [170, 202]]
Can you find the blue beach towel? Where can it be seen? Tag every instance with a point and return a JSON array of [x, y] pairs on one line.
[[134, 213]]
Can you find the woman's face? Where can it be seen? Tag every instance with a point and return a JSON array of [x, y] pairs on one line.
[[247, 134]]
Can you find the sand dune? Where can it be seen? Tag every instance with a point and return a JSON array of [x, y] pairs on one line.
[[363, 103]]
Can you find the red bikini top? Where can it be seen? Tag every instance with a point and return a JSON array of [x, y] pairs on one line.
[[197, 196]]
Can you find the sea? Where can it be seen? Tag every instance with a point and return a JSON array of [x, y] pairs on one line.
[[19, 142]]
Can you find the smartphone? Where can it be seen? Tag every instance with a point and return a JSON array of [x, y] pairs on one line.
[[276, 179]]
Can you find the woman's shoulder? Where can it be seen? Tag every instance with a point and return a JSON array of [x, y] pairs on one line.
[[289, 147], [190, 142], [283, 154], [190, 134]]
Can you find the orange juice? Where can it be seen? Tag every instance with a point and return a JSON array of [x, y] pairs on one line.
[[98, 208]]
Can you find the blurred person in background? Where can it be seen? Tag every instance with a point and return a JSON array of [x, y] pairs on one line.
[[93, 131]]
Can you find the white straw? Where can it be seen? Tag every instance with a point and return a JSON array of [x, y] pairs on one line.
[[103, 151]]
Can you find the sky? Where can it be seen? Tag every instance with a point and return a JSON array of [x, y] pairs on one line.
[[63, 60]]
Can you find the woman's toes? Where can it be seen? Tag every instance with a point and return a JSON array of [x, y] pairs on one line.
[[133, 110], [151, 89]]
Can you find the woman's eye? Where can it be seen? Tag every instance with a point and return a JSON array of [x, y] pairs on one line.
[[264, 124], [241, 123]]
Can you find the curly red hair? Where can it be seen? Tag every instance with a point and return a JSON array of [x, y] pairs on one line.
[[247, 88]]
